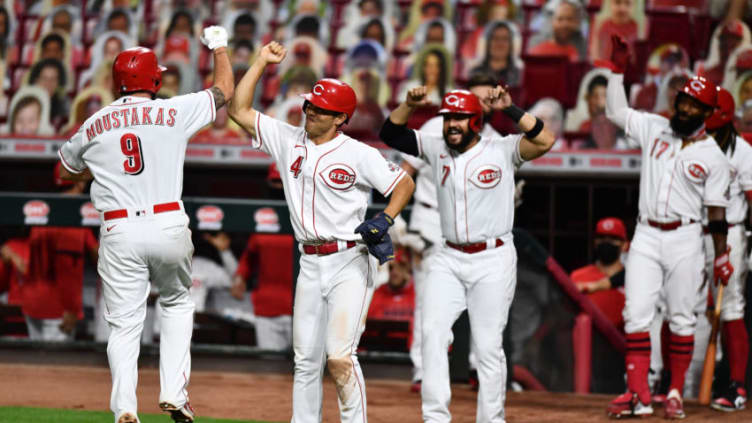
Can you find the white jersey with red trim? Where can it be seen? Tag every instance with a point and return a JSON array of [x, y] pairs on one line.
[[135, 148], [741, 181], [475, 189], [677, 183], [327, 186]]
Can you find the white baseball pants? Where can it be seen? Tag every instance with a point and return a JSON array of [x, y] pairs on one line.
[[331, 303], [483, 283], [132, 252], [669, 260], [732, 304]]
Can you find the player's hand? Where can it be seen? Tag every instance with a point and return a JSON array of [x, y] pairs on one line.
[[722, 268], [375, 229], [619, 56], [498, 98], [220, 241], [383, 250], [273, 53], [69, 322], [237, 289], [417, 97], [214, 37]]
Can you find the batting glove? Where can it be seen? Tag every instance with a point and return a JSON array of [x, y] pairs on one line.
[[214, 37], [722, 268], [373, 230], [384, 250]]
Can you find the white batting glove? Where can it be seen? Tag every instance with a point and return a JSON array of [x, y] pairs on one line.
[[214, 37]]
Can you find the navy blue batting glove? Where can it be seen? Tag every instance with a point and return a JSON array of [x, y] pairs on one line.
[[384, 250], [374, 229]]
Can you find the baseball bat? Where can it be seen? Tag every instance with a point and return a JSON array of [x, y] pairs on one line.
[[708, 368]]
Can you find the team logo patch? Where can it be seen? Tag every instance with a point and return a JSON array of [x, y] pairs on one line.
[[36, 212], [266, 219], [486, 176], [89, 215], [338, 176], [210, 218], [696, 171]]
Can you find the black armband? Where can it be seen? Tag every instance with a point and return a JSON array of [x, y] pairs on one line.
[[399, 137], [617, 279], [718, 227], [514, 113], [536, 129]]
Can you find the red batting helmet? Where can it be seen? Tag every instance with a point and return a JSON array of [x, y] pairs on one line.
[[466, 103], [137, 69], [701, 90], [60, 182], [725, 111], [334, 95]]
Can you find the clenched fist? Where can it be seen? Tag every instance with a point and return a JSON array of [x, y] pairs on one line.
[[417, 97], [273, 53], [214, 37], [498, 98]]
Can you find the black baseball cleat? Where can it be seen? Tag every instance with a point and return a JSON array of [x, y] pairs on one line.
[[735, 398]]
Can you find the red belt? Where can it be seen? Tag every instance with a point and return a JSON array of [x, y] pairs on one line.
[[158, 208], [706, 231], [325, 248], [667, 226], [473, 248]]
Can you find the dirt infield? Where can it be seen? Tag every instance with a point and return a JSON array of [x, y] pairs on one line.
[[268, 397]]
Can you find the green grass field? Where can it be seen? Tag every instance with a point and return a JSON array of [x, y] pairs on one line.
[[49, 415]]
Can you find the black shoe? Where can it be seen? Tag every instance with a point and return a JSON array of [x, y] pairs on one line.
[[734, 399]]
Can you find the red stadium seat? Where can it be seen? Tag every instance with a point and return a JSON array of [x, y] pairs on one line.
[[669, 26], [552, 76]]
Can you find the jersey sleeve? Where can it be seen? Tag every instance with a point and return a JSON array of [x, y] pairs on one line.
[[429, 145], [71, 153], [195, 110], [716, 193], [273, 134], [638, 126], [513, 141], [378, 172], [413, 161]]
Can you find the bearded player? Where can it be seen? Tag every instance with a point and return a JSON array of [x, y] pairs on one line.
[[135, 149], [475, 268], [683, 171]]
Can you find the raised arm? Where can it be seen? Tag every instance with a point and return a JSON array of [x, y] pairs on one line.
[[394, 132], [241, 108], [538, 139], [215, 37], [616, 99]]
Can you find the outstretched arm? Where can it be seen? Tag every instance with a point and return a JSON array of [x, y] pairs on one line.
[[215, 37], [538, 139], [394, 132], [241, 107]]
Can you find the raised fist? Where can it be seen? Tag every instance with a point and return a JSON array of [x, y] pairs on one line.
[[273, 53], [498, 98], [619, 53], [417, 97], [214, 37]]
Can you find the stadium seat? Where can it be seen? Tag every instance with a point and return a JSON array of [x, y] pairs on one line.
[[552, 76], [669, 25]]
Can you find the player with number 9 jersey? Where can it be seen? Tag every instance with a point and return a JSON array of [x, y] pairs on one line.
[[134, 149]]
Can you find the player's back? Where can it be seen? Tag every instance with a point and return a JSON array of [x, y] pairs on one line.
[[135, 148]]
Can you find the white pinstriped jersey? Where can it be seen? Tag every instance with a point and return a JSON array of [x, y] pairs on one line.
[[475, 189], [135, 148], [327, 186], [677, 182]]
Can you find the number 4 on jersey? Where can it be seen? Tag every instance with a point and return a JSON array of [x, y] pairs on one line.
[[296, 166]]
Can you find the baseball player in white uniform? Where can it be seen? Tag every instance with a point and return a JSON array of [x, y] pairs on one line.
[[734, 332], [425, 220], [134, 148], [475, 268], [327, 178], [683, 171]]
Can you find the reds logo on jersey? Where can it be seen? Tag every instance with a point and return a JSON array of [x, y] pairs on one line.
[[338, 176], [486, 176], [696, 171]]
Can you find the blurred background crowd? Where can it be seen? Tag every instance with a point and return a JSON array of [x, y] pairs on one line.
[[56, 55]]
